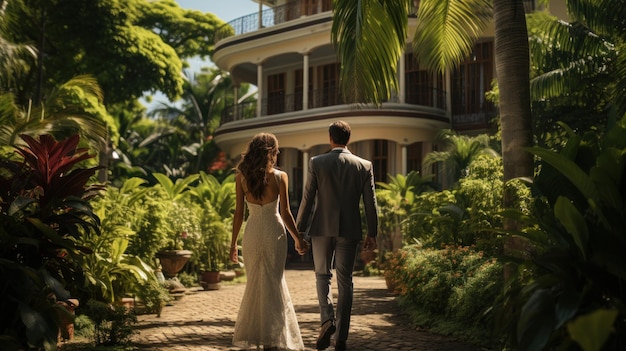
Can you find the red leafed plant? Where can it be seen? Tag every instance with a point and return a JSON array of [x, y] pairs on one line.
[[50, 163], [43, 208]]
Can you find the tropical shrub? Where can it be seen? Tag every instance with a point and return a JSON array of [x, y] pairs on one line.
[[112, 325], [569, 284], [44, 210], [161, 216], [84, 327], [215, 202], [192, 213], [467, 214], [448, 289], [395, 200], [153, 295]]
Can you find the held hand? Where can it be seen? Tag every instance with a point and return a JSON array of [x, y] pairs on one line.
[[370, 243], [234, 257], [302, 246]]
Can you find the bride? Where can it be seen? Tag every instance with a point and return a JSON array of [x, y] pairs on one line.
[[266, 316]]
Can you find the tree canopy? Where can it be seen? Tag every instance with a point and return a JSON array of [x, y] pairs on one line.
[[130, 46]]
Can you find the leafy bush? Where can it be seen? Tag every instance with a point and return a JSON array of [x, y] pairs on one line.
[[395, 200], [153, 295], [215, 206], [44, 209], [84, 327], [113, 325], [574, 250], [448, 289], [467, 214], [470, 302]]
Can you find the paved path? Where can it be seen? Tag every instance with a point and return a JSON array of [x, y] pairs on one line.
[[204, 320]]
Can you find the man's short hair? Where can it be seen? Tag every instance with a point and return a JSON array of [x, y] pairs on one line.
[[339, 132]]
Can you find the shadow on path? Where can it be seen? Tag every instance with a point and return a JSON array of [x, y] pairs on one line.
[[204, 320]]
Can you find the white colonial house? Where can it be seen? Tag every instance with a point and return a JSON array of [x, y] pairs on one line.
[[284, 50]]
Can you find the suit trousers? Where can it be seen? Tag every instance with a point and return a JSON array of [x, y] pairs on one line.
[[340, 253]]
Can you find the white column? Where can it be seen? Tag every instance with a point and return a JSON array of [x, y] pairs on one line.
[[259, 81], [404, 160], [260, 14], [305, 82], [402, 79], [236, 100], [305, 169]]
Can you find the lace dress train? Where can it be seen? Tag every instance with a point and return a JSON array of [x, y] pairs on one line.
[[266, 316]]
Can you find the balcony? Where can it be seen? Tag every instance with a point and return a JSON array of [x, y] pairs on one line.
[[287, 103], [271, 17], [293, 10]]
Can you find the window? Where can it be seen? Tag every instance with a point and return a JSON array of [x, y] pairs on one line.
[[380, 160], [421, 87], [299, 89], [414, 157], [329, 85], [276, 93], [471, 80], [312, 7]]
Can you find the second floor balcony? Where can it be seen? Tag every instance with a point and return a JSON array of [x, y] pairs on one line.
[[286, 103], [292, 10], [273, 16]]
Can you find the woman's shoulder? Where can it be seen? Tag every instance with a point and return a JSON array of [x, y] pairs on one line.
[[279, 175]]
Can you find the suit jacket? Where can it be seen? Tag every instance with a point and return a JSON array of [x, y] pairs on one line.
[[336, 183]]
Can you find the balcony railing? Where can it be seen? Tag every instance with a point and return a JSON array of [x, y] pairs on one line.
[[284, 103], [481, 120], [238, 112], [291, 11], [270, 17]]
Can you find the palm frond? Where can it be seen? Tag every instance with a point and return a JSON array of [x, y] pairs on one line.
[[369, 36], [15, 61], [619, 89], [606, 17], [565, 40], [447, 30]]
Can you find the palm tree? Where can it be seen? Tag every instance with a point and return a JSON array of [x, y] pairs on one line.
[[460, 151], [370, 36], [580, 65], [205, 96], [74, 107]]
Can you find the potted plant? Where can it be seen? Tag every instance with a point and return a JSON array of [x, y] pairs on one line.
[[183, 231], [213, 254], [180, 223], [215, 209]]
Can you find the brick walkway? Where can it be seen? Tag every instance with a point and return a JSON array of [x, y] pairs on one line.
[[204, 320]]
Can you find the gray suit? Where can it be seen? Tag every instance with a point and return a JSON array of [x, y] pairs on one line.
[[336, 183]]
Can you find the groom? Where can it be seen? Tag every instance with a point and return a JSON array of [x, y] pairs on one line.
[[336, 182]]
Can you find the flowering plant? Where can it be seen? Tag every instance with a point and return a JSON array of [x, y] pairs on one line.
[[183, 226]]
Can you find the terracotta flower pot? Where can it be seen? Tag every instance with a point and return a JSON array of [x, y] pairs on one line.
[[172, 261], [210, 280]]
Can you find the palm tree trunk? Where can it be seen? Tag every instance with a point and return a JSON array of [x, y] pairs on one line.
[[513, 71]]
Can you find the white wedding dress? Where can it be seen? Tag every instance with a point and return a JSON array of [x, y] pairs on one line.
[[266, 316]]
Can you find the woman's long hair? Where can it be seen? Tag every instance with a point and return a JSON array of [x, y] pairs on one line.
[[256, 162]]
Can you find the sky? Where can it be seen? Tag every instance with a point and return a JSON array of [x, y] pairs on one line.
[[226, 10]]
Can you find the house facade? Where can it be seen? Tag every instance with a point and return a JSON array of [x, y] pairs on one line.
[[284, 50]]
